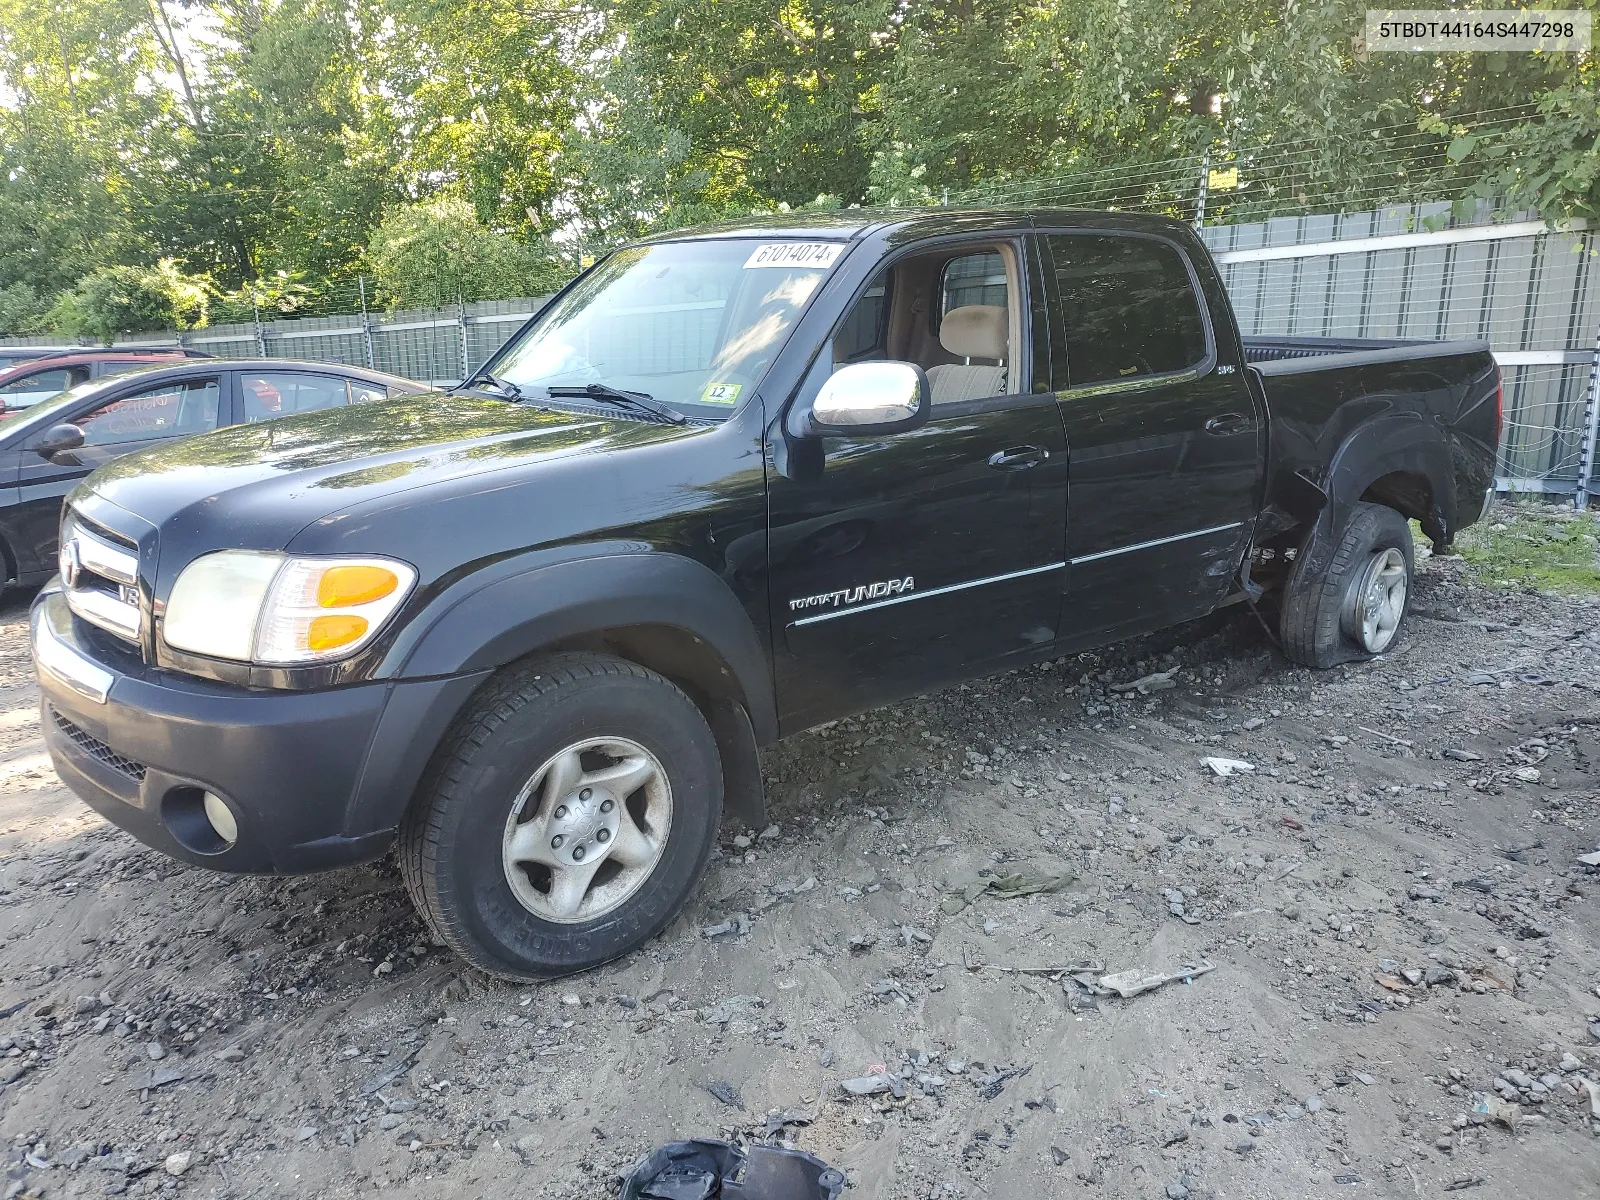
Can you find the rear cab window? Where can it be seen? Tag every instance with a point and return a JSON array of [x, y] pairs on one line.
[[1128, 310]]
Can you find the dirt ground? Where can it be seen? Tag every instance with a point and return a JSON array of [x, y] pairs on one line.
[[169, 1030]]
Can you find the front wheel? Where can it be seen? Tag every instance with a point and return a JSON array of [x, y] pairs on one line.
[[1356, 607], [565, 819]]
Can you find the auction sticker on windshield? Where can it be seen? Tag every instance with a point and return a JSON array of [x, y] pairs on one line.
[[721, 393], [794, 254]]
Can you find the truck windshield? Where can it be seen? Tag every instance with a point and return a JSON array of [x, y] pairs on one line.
[[693, 324]]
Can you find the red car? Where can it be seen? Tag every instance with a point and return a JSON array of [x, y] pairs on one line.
[[26, 384]]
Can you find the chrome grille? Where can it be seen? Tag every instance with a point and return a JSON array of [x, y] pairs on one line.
[[101, 579]]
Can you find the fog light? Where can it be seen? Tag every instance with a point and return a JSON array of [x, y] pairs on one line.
[[221, 818]]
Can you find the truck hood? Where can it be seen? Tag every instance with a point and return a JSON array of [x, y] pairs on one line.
[[257, 485]]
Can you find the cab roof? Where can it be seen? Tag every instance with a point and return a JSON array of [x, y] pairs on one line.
[[902, 224]]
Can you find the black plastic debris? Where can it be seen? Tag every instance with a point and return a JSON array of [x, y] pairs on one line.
[[708, 1169]]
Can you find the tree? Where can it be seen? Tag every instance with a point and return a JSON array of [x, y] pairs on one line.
[[114, 300], [435, 254]]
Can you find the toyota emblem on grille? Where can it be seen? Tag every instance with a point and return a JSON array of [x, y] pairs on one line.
[[71, 564]]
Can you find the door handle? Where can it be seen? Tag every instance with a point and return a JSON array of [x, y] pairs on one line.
[[1018, 458], [1227, 423]]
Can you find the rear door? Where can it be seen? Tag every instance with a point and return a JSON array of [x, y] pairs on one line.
[[1163, 433], [269, 394]]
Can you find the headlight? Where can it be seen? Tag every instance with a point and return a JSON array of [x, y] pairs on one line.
[[274, 609]]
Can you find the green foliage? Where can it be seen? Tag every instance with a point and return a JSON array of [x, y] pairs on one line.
[[22, 309], [270, 297], [1534, 547], [116, 300], [435, 254], [253, 141]]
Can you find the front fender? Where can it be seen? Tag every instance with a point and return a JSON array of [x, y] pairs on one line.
[[514, 608]]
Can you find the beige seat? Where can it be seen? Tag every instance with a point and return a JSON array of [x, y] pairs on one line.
[[972, 331]]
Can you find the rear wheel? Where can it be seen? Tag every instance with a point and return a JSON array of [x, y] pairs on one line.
[[1356, 607], [566, 817]]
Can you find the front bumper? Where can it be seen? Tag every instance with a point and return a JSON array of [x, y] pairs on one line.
[[313, 779]]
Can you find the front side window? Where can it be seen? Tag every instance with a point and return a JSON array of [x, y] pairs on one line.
[[1128, 308], [269, 394], [169, 410], [692, 324], [31, 389]]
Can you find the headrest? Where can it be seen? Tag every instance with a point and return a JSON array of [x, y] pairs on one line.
[[975, 331]]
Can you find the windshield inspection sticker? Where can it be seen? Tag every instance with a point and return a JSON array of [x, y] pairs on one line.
[[721, 393], [794, 254]]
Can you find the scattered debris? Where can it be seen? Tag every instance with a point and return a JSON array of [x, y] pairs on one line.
[[1496, 1109], [1228, 766], [707, 1169], [730, 1009], [1160, 681], [727, 1093], [1128, 984], [866, 1085], [1005, 887]]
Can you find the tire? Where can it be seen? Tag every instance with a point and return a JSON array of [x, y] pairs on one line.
[[487, 806], [1322, 623]]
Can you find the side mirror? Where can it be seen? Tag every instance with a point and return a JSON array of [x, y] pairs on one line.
[[870, 398], [56, 439]]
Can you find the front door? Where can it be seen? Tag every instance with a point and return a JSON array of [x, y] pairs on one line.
[[131, 421], [898, 562], [1164, 436]]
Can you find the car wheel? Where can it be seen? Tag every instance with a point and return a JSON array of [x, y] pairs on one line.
[[565, 818], [1356, 608]]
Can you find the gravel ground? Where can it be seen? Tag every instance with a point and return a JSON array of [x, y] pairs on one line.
[[1398, 928]]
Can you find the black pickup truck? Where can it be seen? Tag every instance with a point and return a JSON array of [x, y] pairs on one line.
[[725, 486]]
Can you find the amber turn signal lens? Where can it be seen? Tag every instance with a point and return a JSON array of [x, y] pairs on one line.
[[344, 587], [329, 633]]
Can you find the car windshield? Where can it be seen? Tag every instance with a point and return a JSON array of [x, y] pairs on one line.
[[693, 324]]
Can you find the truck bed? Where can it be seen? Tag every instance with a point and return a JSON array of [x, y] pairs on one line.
[[1318, 390]]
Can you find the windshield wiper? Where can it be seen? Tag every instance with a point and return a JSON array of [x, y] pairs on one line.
[[505, 385], [638, 401]]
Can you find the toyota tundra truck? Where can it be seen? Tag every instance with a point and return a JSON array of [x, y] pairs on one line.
[[531, 633]]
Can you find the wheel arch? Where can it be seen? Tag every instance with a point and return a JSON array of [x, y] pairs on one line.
[[662, 611], [1400, 461]]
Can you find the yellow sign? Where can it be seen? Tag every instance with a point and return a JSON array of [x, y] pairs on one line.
[[1223, 181], [721, 393]]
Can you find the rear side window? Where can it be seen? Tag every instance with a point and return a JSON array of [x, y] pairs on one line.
[[279, 393], [362, 393], [1128, 308]]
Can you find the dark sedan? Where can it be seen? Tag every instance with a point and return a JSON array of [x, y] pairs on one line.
[[46, 448]]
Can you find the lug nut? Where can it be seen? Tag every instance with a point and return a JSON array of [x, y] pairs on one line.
[[561, 812], [577, 854], [607, 805], [603, 836], [585, 794], [555, 842]]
